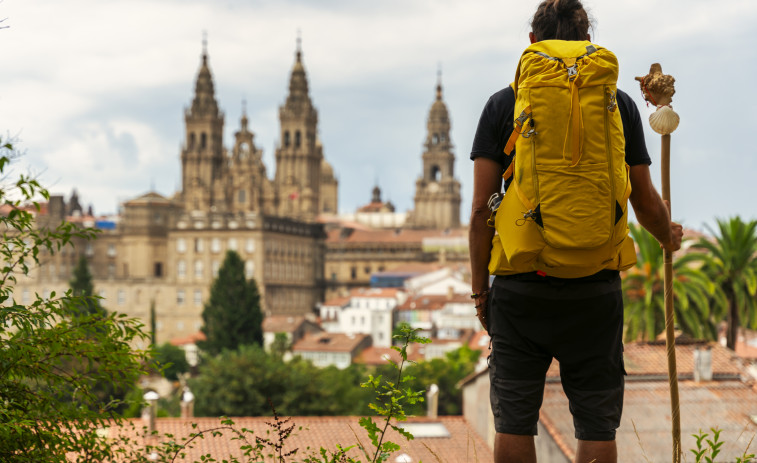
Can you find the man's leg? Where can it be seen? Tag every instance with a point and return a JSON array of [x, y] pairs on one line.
[[511, 448], [596, 451]]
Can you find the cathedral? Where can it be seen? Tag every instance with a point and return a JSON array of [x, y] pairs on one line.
[[159, 257]]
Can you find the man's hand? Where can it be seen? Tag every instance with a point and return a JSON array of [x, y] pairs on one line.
[[482, 304], [677, 236]]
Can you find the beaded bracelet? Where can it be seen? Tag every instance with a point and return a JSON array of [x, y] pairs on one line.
[[478, 295]]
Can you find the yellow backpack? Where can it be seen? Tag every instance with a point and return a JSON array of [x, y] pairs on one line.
[[565, 211]]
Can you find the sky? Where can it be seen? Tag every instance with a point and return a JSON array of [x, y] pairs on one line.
[[94, 91]]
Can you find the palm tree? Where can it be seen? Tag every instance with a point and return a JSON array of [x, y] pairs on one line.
[[696, 298], [732, 265]]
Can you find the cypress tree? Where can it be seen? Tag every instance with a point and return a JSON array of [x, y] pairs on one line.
[[232, 316]]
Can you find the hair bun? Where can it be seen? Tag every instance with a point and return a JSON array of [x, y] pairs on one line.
[[566, 7]]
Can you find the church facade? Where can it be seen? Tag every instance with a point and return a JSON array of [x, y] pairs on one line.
[[163, 253]]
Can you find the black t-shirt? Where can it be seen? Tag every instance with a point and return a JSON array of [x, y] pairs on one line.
[[496, 125]]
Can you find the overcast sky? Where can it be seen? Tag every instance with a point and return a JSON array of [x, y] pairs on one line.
[[94, 90]]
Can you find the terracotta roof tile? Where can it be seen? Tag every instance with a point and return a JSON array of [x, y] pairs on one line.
[[375, 292], [390, 236], [282, 323], [461, 443], [646, 417], [190, 339], [329, 342]]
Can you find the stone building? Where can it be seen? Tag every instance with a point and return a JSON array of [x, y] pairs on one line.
[[164, 253], [437, 192], [377, 239]]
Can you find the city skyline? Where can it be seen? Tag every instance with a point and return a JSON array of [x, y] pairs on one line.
[[96, 100]]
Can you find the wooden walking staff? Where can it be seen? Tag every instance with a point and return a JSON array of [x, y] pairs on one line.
[[658, 89]]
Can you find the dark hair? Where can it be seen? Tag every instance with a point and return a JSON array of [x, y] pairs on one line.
[[560, 19]]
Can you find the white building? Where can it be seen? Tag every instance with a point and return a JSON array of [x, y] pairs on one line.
[[365, 311]]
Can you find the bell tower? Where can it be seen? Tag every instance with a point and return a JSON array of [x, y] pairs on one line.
[[202, 157], [299, 155], [437, 193]]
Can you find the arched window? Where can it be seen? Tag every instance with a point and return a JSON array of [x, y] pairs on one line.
[[286, 139], [203, 140], [435, 173], [192, 140], [297, 139], [242, 197], [435, 139]]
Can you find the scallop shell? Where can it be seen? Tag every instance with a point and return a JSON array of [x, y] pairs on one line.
[[664, 121]]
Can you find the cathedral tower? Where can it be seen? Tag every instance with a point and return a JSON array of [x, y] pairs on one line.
[[437, 193], [202, 156], [299, 156]]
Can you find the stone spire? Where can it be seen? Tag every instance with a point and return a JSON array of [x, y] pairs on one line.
[[204, 102], [298, 97]]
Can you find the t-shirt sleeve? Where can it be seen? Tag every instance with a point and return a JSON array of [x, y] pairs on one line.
[[633, 130], [494, 127]]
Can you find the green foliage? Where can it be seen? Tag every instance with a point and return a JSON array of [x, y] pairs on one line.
[[240, 383], [391, 398], [707, 449], [172, 359], [280, 345], [446, 374], [698, 302], [232, 317], [82, 286], [732, 265], [53, 358]]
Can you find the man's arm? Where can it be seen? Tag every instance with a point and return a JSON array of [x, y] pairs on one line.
[[487, 180], [651, 211]]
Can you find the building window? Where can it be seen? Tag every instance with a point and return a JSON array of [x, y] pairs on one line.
[[111, 270], [181, 245], [121, 297], [249, 269], [215, 245], [89, 250], [102, 293], [198, 269], [191, 140], [158, 272], [233, 244], [333, 276], [111, 250], [249, 245], [198, 298], [181, 269], [203, 140], [286, 138], [180, 326], [214, 268], [180, 297], [25, 296], [198, 245], [241, 196], [297, 139], [367, 269], [353, 272]]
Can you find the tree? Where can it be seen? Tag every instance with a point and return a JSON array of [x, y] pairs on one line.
[[82, 286], [232, 317], [173, 358], [50, 357], [242, 382], [697, 300], [732, 265], [446, 373]]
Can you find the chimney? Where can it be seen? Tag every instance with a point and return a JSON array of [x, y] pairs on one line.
[[150, 411], [703, 364], [187, 404], [432, 400]]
